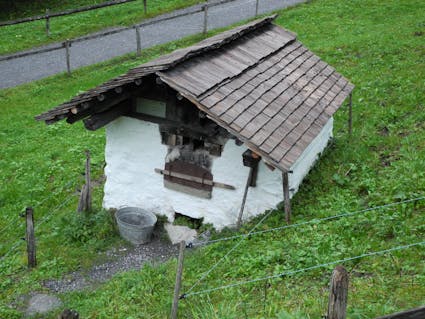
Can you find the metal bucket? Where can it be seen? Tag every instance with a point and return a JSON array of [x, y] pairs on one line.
[[135, 224]]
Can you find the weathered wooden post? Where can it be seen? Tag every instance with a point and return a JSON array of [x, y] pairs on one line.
[[286, 197], [138, 44], [178, 280], [248, 183], [67, 45], [145, 6], [350, 114], [256, 7], [205, 29], [47, 23], [338, 293], [84, 203], [30, 237]]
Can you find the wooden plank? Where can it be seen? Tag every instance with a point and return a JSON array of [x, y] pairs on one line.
[[194, 179]]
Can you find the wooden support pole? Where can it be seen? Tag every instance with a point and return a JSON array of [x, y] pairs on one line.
[[138, 44], [338, 293], [178, 280], [47, 23], [145, 6], [88, 182], [85, 202], [205, 29], [256, 7], [286, 197], [67, 44], [30, 237], [350, 114], [248, 182]]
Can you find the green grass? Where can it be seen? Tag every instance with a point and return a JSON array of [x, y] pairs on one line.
[[32, 34], [379, 46]]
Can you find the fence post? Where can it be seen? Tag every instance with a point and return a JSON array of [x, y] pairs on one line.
[[139, 48], [338, 294], [178, 280], [47, 23], [205, 28], [145, 6], [256, 7], [67, 44], [30, 237]]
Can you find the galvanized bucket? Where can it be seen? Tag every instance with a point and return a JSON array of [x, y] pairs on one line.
[[135, 224]]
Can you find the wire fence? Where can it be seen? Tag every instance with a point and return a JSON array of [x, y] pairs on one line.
[[45, 218], [293, 272], [309, 222], [314, 221]]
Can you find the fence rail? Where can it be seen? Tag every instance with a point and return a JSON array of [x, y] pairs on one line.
[[48, 15]]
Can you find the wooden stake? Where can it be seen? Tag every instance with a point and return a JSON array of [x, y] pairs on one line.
[[85, 202], [205, 29], [47, 23], [88, 182], [286, 197], [67, 44], [350, 114], [256, 7], [30, 237], [178, 280], [145, 6], [248, 182], [338, 294], [138, 44]]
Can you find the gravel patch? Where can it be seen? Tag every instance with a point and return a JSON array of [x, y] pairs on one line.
[[122, 259]]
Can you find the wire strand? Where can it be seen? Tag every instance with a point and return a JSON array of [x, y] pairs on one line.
[[228, 253], [313, 221], [292, 272]]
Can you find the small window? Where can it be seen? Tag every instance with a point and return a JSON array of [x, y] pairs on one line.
[[151, 107]]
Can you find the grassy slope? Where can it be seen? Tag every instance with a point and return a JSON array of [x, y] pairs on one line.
[[379, 47], [27, 35]]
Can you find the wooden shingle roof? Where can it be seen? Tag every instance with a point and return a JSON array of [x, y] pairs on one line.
[[257, 81]]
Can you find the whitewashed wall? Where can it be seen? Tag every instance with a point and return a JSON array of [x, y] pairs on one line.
[[134, 150]]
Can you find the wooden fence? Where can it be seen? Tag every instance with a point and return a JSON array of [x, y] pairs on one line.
[[68, 43]]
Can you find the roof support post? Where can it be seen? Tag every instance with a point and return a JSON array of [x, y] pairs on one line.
[[350, 114], [248, 183], [286, 197]]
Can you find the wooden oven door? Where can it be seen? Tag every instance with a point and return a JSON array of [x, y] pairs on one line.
[[188, 178]]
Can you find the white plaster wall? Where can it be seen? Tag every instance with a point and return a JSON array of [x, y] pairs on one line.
[[134, 150]]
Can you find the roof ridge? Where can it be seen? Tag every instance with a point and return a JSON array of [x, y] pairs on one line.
[[209, 44]]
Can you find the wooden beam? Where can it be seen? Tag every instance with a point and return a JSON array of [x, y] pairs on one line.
[[98, 120], [286, 197], [193, 179]]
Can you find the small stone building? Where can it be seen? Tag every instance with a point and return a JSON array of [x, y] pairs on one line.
[[214, 129]]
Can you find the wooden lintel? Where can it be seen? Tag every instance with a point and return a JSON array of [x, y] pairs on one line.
[[99, 120]]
